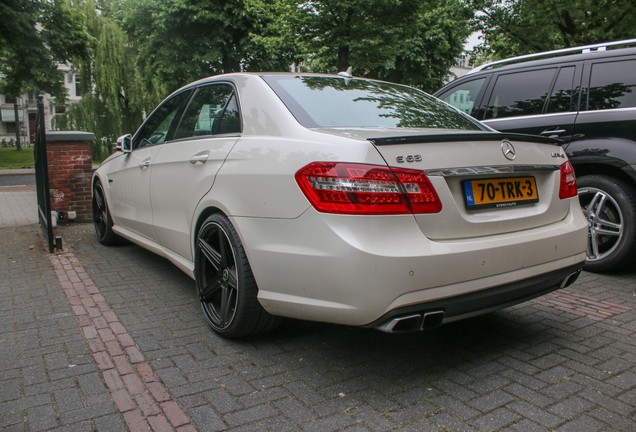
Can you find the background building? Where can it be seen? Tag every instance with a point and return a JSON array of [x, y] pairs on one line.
[[463, 65], [27, 108]]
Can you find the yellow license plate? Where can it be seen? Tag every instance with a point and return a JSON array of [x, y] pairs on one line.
[[500, 192]]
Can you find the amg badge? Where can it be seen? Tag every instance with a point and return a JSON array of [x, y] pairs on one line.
[[409, 158]]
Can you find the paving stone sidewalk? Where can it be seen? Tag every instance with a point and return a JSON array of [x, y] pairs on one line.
[[564, 362]]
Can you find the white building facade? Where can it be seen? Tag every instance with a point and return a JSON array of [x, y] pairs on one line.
[[25, 123]]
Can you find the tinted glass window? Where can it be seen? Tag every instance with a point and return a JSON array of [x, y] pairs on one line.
[[522, 93], [157, 127], [464, 95], [230, 120], [561, 97], [334, 102], [204, 112], [613, 85]]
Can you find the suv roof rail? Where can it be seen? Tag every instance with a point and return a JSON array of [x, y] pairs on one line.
[[556, 53]]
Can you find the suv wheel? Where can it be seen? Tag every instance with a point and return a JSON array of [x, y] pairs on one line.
[[609, 205]]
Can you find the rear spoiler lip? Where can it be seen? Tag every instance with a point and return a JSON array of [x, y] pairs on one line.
[[462, 136]]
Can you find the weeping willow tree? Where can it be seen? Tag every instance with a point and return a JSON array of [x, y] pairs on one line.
[[91, 114], [113, 101], [117, 83]]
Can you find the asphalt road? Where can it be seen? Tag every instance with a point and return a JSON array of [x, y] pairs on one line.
[[16, 179]]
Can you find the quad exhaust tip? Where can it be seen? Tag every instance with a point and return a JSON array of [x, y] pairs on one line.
[[569, 280], [423, 320], [413, 322]]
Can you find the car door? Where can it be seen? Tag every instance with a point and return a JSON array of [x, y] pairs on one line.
[[608, 113], [129, 181], [538, 101], [185, 168]]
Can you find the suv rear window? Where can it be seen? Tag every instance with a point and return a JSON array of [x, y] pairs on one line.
[[613, 85], [335, 102]]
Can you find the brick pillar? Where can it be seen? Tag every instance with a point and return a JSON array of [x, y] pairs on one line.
[[70, 166]]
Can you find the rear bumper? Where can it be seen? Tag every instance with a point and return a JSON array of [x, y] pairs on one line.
[[419, 316], [331, 268]]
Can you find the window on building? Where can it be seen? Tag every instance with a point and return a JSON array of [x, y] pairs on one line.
[[78, 86]]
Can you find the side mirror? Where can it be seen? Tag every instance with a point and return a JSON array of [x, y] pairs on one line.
[[124, 143]]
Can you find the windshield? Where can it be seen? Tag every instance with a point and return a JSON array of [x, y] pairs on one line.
[[338, 102]]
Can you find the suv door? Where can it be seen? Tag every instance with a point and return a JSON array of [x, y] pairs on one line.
[[609, 106], [604, 157], [539, 101]]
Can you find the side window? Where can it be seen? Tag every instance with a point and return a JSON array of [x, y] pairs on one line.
[[160, 124], [230, 120], [521, 93], [612, 85], [464, 95], [207, 112], [562, 93]]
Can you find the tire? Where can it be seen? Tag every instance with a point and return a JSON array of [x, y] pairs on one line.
[[102, 221], [225, 283], [609, 205]]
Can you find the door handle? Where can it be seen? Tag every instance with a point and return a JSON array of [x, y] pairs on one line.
[[552, 132], [145, 164], [200, 158]]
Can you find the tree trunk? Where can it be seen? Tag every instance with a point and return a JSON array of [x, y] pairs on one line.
[[343, 58]]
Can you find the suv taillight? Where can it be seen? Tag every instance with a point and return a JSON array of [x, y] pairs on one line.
[[567, 188], [348, 188]]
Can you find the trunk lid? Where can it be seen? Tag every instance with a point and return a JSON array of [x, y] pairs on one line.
[[512, 181]]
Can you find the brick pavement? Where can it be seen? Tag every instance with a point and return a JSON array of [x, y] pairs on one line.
[[543, 365], [133, 385]]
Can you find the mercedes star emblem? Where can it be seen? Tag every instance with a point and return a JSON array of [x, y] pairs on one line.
[[508, 150]]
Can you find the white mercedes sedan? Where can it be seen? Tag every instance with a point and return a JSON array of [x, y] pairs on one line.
[[342, 200]]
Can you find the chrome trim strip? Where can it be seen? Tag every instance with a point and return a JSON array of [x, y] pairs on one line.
[[494, 120], [627, 109], [530, 116], [490, 170]]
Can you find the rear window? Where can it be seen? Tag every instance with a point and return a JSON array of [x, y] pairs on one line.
[[613, 85], [338, 102]]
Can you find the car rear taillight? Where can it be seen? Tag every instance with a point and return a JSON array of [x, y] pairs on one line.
[[348, 188], [567, 188]]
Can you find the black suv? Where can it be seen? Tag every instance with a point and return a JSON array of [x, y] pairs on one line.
[[586, 98]]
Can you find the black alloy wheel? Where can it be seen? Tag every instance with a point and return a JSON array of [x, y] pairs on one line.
[[225, 283], [101, 218]]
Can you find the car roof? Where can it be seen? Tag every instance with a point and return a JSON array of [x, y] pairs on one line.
[[247, 75], [573, 54]]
